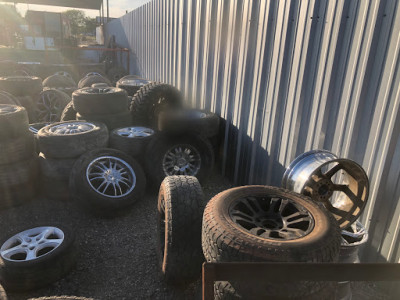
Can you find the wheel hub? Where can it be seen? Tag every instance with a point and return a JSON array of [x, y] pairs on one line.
[[131, 132], [182, 160], [71, 128]]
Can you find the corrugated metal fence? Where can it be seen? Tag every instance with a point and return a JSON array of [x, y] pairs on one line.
[[287, 76]]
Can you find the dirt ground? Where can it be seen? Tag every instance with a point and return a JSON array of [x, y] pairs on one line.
[[117, 257]]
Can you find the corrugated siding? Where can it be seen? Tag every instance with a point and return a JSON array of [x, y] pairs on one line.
[[287, 77]]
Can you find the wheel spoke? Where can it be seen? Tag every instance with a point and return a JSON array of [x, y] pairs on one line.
[[333, 171]]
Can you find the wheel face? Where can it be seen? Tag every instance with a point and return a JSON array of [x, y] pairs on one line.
[[63, 73], [6, 109], [271, 217], [135, 132], [72, 128], [101, 90], [340, 184], [49, 107], [134, 82], [182, 159], [32, 244], [111, 176]]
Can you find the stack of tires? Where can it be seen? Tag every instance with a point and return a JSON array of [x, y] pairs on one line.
[[18, 163], [61, 81], [107, 105], [131, 84], [26, 89], [91, 78], [60, 145]]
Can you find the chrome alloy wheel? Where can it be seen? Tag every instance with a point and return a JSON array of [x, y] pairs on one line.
[[271, 217], [133, 132], [111, 176], [32, 244], [182, 160], [72, 128], [49, 107], [6, 109]]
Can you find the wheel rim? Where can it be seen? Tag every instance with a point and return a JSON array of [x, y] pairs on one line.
[[111, 176], [35, 130], [63, 73], [135, 132], [93, 74], [72, 128], [6, 109], [340, 184], [182, 160], [49, 107], [32, 244], [355, 235], [98, 90], [134, 82], [271, 217]]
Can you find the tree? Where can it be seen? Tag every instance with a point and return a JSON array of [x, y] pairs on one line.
[[90, 25], [77, 20]]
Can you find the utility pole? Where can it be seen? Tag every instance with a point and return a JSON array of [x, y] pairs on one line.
[[108, 11]]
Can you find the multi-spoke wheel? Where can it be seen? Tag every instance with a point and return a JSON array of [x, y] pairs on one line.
[[50, 105], [340, 184], [182, 160]]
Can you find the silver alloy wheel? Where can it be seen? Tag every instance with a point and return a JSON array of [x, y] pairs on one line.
[[271, 217], [134, 82], [340, 184], [32, 244], [72, 128], [355, 235], [135, 132], [63, 73], [111, 176], [93, 74], [182, 159], [6, 109], [97, 90], [49, 107]]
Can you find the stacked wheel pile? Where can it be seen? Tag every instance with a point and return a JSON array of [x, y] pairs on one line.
[[61, 81], [91, 78], [18, 163]]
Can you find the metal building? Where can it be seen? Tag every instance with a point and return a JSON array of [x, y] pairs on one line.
[[287, 77]]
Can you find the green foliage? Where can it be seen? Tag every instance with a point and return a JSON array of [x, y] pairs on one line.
[[80, 24]]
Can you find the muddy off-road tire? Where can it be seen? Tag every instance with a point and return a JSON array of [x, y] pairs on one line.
[[268, 224], [72, 138], [87, 81], [180, 210], [94, 101], [19, 272], [107, 181], [21, 85], [50, 105], [3, 295], [69, 112], [150, 100], [164, 153], [7, 98], [131, 84], [112, 121], [14, 121], [17, 149], [131, 140]]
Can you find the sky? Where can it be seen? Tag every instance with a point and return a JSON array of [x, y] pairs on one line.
[[117, 8]]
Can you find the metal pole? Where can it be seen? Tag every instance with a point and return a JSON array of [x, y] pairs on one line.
[[108, 11], [102, 9]]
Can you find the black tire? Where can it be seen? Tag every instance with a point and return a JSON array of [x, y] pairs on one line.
[[94, 101], [89, 80], [151, 99], [25, 275], [34, 129], [7, 67], [17, 149], [7, 98], [55, 189], [223, 240], [18, 173], [69, 112], [180, 211], [131, 84], [104, 204], [3, 295], [14, 121], [161, 144], [55, 145], [62, 298], [21, 85], [29, 103], [180, 121], [56, 168], [50, 105], [15, 195], [59, 81], [132, 145], [112, 121]]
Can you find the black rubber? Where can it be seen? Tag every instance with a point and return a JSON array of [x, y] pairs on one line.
[[56, 168], [17, 149], [180, 211], [53, 145], [112, 121], [19, 172], [59, 81], [29, 103], [55, 189], [3, 295], [7, 67], [15, 195], [97, 203], [94, 101], [131, 84], [28, 275], [62, 100], [151, 99], [161, 143], [7, 98], [69, 112], [181, 121], [61, 298], [21, 85], [13, 124], [225, 241], [132, 146], [89, 80]]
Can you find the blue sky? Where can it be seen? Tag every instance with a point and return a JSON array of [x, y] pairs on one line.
[[117, 7]]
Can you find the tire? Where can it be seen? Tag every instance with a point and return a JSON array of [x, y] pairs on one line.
[[131, 84], [18, 173], [21, 85], [57, 145], [59, 81], [150, 100], [55, 189], [99, 100], [131, 140], [113, 121], [116, 73], [15, 195], [58, 169], [99, 85], [50, 105], [34, 129], [157, 149], [109, 202], [3, 295], [69, 112], [61, 298], [89, 80], [180, 211], [7, 98], [13, 121], [225, 240], [17, 149], [7, 67], [29, 103], [180, 121], [22, 275]]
